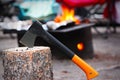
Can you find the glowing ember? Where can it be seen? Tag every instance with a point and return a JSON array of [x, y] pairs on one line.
[[67, 15], [80, 46]]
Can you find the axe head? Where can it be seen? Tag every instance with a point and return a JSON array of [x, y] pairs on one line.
[[35, 30]]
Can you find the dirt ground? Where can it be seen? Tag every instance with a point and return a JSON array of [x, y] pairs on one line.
[[106, 60]]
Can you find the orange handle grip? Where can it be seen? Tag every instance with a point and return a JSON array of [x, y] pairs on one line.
[[90, 72]]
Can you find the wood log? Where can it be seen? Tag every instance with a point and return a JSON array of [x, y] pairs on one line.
[[24, 63]]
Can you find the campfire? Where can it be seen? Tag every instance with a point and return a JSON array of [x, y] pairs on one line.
[[68, 14]]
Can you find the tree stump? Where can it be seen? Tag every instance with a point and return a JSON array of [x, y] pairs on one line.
[[24, 63]]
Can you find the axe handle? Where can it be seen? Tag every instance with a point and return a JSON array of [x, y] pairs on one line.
[[90, 72]]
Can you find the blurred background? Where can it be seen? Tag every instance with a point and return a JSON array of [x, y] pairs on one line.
[[90, 28]]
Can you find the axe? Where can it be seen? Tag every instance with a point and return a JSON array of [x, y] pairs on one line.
[[36, 29]]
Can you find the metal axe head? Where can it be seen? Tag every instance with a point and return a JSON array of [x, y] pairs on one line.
[[29, 37], [35, 30]]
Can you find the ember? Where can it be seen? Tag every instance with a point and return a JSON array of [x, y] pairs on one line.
[[80, 46]]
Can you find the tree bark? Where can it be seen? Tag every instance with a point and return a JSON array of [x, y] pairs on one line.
[[24, 63]]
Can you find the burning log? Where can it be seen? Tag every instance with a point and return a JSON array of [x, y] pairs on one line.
[[27, 63]]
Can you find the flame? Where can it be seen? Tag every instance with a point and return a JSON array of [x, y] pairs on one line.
[[67, 14]]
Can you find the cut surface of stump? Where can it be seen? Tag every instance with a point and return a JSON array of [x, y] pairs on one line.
[[25, 63]]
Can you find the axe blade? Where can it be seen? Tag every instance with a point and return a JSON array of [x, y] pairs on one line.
[[34, 31], [29, 37]]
